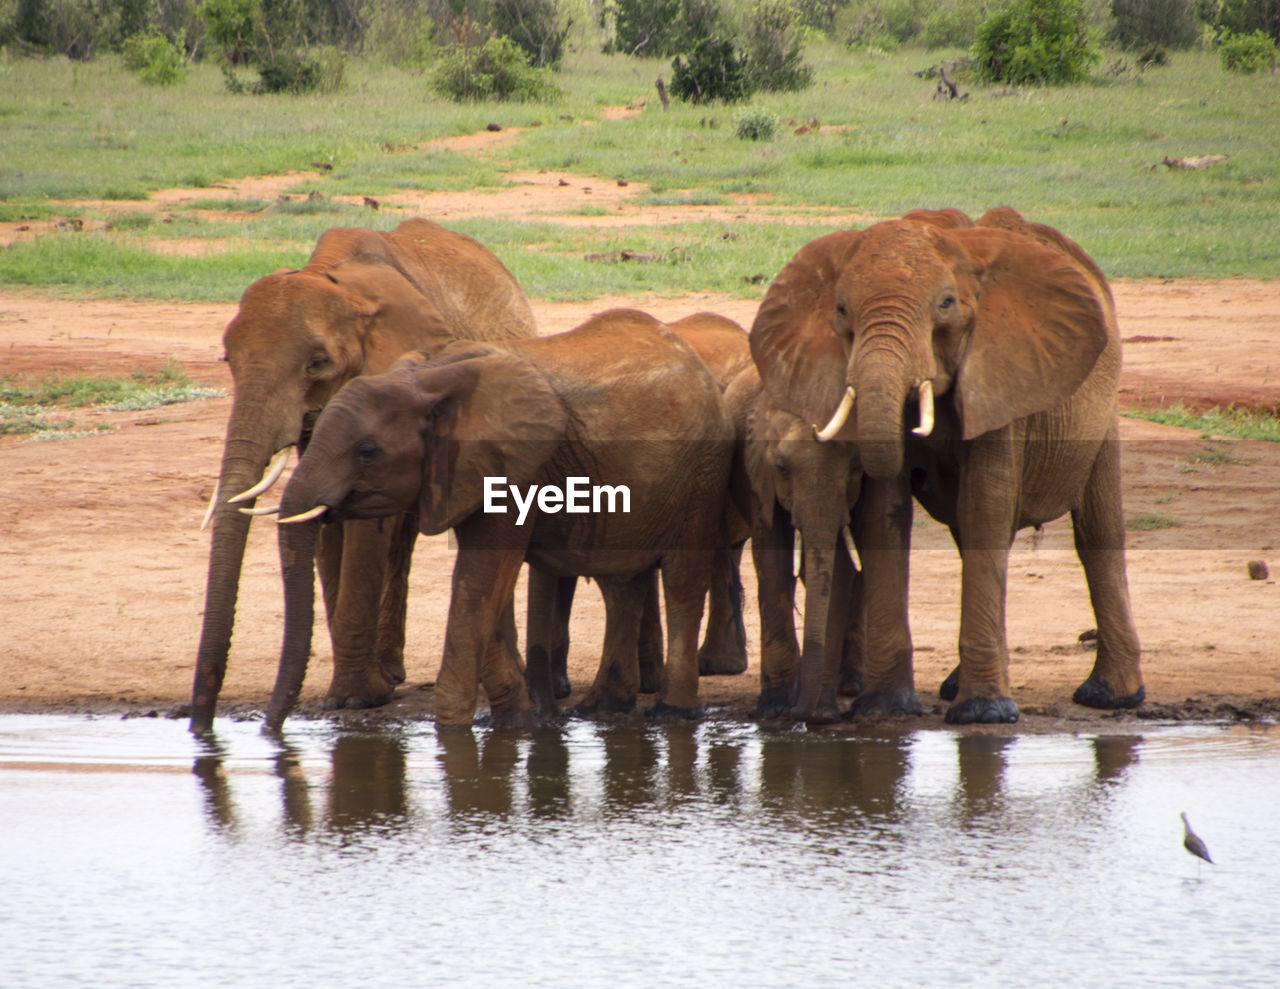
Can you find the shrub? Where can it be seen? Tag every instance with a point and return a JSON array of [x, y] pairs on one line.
[[774, 50], [1247, 53], [535, 26], [1163, 23], [157, 60], [279, 39], [755, 125], [1034, 41], [495, 70], [661, 27], [953, 25], [716, 70]]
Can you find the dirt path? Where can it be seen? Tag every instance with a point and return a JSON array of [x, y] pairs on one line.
[[103, 562]]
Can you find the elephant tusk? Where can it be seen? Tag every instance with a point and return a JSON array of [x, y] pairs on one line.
[[269, 477], [272, 510], [797, 554], [306, 516], [838, 420], [853, 550], [925, 398], [213, 503]]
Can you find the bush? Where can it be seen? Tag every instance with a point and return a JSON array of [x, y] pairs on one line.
[[952, 26], [774, 50], [716, 70], [1143, 23], [279, 38], [1034, 41], [1239, 17], [660, 27], [157, 60], [535, 26], [1247, 53], [755, 125], [496, 70]]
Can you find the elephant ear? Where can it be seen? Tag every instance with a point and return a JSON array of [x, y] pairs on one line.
[[489, 414], [793, 339], [945, 219], [1038, 330], [394, 311]]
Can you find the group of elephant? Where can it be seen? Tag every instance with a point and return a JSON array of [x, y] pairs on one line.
[[969, 366]]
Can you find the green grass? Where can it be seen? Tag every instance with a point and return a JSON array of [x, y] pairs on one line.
[[37, 406], [1241, 423], [1086, 159], [1151, 522]]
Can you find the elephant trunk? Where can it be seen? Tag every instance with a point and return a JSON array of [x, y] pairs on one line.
[[819, 582], [248, 447], [297, 563], [880, 424]]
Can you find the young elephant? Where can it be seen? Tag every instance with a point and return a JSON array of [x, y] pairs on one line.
[[802, 494], [500, 443], [1011, 327]]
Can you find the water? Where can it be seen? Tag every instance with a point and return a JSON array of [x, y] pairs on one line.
[[708, 855]]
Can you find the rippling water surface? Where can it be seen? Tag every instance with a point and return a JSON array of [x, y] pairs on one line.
[[600, 855]]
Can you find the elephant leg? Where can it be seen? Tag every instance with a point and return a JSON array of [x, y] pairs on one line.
[[559, 650], [545, 632], [393, 607], [484, 580], [358, 677], [1116, 679], [650, 648], [724, 649], [985, 517], [950, 686], [776, 593], [617, 682], [686, 575], [501, 676], [882, 525]]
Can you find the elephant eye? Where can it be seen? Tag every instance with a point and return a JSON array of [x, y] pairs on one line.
[[366, 451], [318, 364], [782, 467], [948, 301]]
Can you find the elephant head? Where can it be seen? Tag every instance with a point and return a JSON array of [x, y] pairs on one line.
[[363, 299], [1000, 322], [816, 485], [421, 437]]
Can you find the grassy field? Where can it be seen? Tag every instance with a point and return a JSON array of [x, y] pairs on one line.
[[1087, 159]]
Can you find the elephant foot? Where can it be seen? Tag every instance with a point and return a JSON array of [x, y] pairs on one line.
[[851, 683], [560, 687], [650, 679], [663, 710], [525, 719], [879, 703], [715, 662], [950, 686], [983, 711], [773, 702], [359, 690], [1098, 694], [392, 663], [594, 706]]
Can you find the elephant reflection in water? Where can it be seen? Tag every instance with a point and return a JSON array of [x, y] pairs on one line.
[[842, 783], [366, 786]]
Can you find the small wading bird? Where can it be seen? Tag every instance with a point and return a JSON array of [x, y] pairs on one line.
[[1193, 843]]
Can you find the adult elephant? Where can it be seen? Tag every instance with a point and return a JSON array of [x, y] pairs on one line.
[[802, 495], [363, 299], [1001, 339], [621, 402]]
